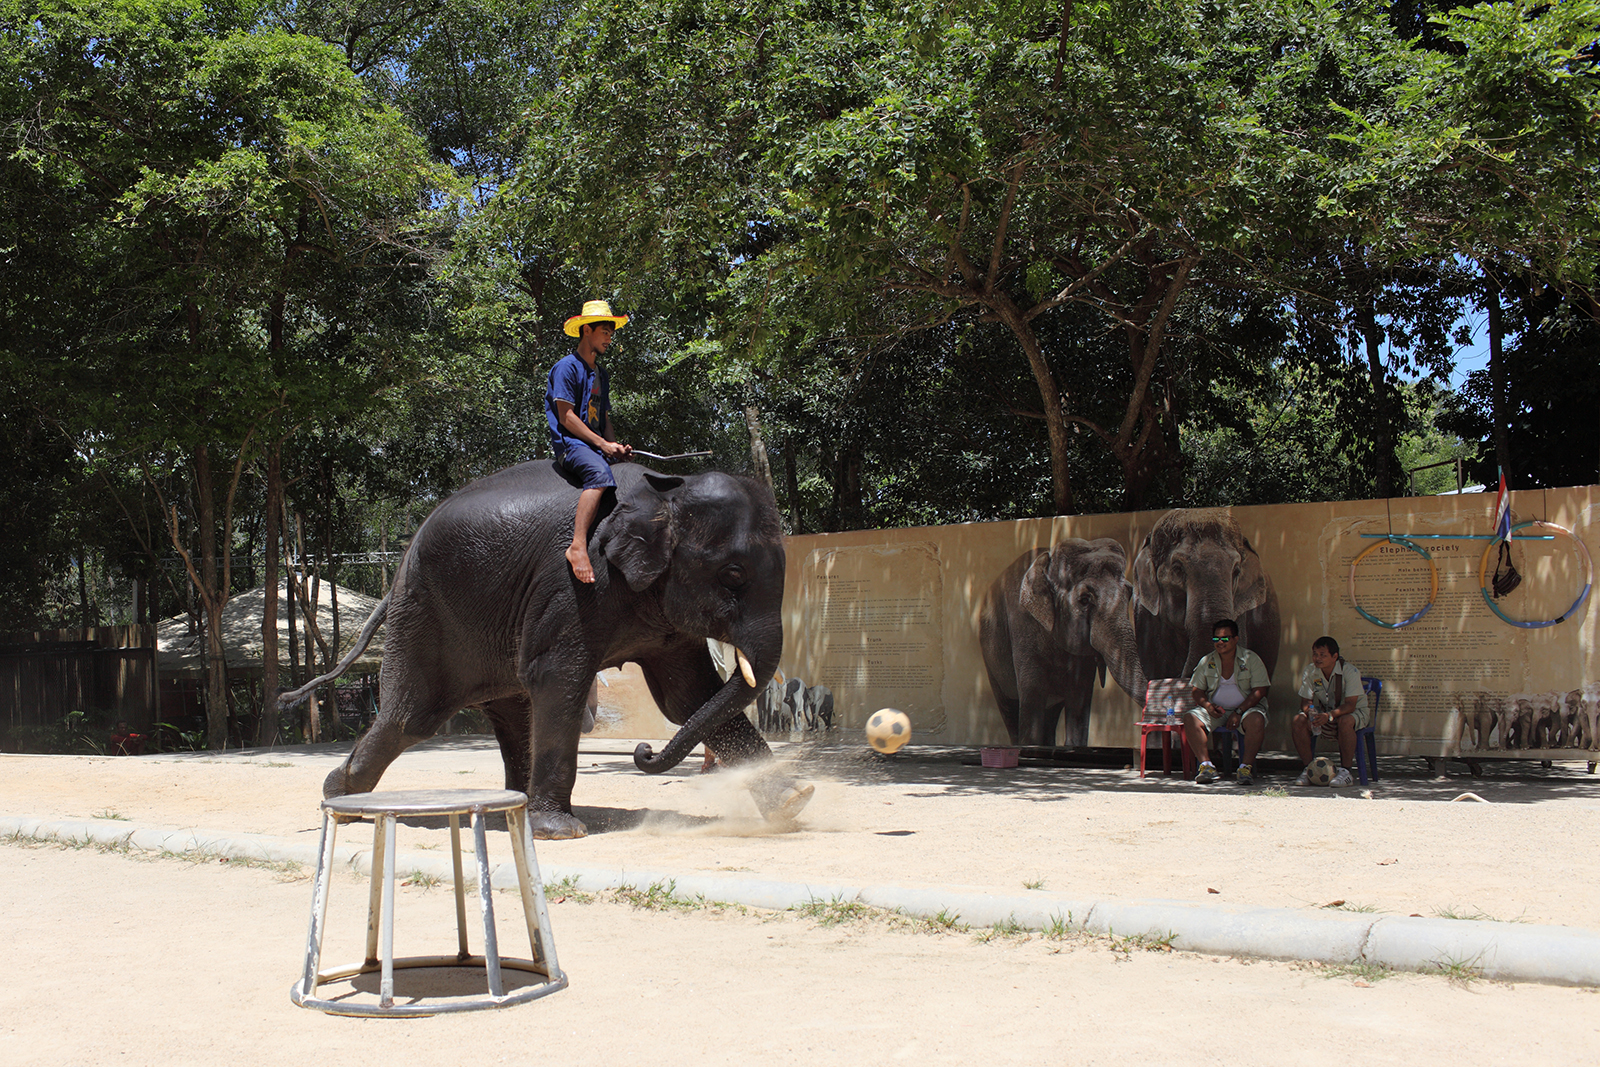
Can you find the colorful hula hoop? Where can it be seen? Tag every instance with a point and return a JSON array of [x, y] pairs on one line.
[[1588, 576], [1433, 580]]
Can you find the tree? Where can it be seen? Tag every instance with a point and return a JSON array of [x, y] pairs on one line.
[[241, 207]]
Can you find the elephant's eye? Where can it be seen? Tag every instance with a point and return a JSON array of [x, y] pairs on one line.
[[732, 576]]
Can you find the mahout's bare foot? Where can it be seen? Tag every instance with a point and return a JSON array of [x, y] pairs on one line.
[[578, 556]]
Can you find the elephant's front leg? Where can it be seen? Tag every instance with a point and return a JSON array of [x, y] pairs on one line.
[[556, 722], [1040, 707]]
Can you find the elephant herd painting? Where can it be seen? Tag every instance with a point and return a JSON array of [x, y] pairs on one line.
[[1058, 620], [1522, 722]]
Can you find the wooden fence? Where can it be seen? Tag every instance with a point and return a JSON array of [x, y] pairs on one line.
[[46, 675]]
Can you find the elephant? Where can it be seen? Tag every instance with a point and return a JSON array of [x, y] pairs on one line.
[[485, 612], [1049, 624], [1195, 567], [1478, 712]]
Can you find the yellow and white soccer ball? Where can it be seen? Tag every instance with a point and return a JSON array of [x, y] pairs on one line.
[[1321, 770], [888, 729]]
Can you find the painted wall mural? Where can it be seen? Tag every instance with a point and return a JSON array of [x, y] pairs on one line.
[[1046, 631]]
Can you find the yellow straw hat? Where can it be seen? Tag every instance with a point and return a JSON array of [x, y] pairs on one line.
[[594, 311]]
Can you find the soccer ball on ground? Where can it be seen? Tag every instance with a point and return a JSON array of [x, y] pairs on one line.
[[888, 729], [1321, 770]]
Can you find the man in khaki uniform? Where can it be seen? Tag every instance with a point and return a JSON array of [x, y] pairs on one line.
[[1230, 688], [1332, 705]]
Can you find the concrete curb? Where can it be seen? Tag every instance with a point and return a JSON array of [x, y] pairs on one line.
[[1510, 951]]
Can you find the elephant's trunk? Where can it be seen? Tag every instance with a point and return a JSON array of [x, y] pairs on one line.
[[1114, 639], [728, 701], [1199, 618]]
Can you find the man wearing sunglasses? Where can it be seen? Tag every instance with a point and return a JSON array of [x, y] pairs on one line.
[[1230, 686]]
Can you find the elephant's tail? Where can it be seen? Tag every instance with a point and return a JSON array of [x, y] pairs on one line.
[[289, 700]]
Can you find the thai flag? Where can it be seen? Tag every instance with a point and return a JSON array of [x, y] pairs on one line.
[[1502, 511]]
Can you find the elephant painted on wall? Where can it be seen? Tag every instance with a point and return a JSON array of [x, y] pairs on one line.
[[1478, 713], [485, 612], [1196, 567], [1054, 620]]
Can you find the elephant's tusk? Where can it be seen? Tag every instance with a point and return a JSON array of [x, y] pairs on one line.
[[745, 668]]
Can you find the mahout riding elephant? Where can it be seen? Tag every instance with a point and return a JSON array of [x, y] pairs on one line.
[[1050, 623], [485, 612], [1195, 567]]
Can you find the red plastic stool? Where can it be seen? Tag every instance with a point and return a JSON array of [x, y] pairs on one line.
[[1167, 730]]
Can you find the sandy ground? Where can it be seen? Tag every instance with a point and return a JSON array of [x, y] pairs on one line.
[[131, 959]]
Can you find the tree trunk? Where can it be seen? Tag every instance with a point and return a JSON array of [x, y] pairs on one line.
[[212, 600], [83, 591], [1061, 498], [1497, 383], [792, 483], [1382, 399], [289, 593], [758, 448], [267, 727]]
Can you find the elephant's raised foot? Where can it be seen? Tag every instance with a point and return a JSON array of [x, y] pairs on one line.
[[337, 784], [792, 803], [555, 826], [779, 797]]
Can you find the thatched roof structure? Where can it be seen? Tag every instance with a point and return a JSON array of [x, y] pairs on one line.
[[183, 652]]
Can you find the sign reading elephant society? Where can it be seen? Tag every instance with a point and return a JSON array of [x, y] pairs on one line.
[[875, 630], [1047, 631]]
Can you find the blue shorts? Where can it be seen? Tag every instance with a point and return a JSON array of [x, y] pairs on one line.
[[585, 468]]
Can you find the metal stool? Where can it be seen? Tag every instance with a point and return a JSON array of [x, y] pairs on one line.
[[383, 808]]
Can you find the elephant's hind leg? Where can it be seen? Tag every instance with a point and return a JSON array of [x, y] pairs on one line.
[[408, 713], [511, 718]]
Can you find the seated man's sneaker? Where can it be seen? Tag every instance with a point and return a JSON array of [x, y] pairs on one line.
[[1243, 777], [1305, 777], [1343, 777], [1207, 775]]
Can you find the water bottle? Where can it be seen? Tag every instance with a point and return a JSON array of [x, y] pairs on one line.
[[1172, 716]]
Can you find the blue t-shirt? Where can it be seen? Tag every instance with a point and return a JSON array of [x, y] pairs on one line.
[[589, 393]]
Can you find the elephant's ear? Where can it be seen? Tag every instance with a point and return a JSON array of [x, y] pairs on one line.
[[1146, 587], [1036, 597], [1251, 587], [638, 536]]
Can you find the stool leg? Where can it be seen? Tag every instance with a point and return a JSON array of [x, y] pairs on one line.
[[461, 894], [386, 985], [375, 891], [1144, 749], [319, 905], [541, 945], [491, 943], [1166, 753]]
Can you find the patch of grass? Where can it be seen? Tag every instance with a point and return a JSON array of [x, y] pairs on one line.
[[107, 813], [1345, 905], [567, 888], [946, 921], [834, 912], [1146, 942], [1033, 883], [1459, 971], [1450, 911], [1275, 791], [422, 878], [1007, 929], [1354, 970], [288, 870], [1059, 928], [661, 896], [275, 763]]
